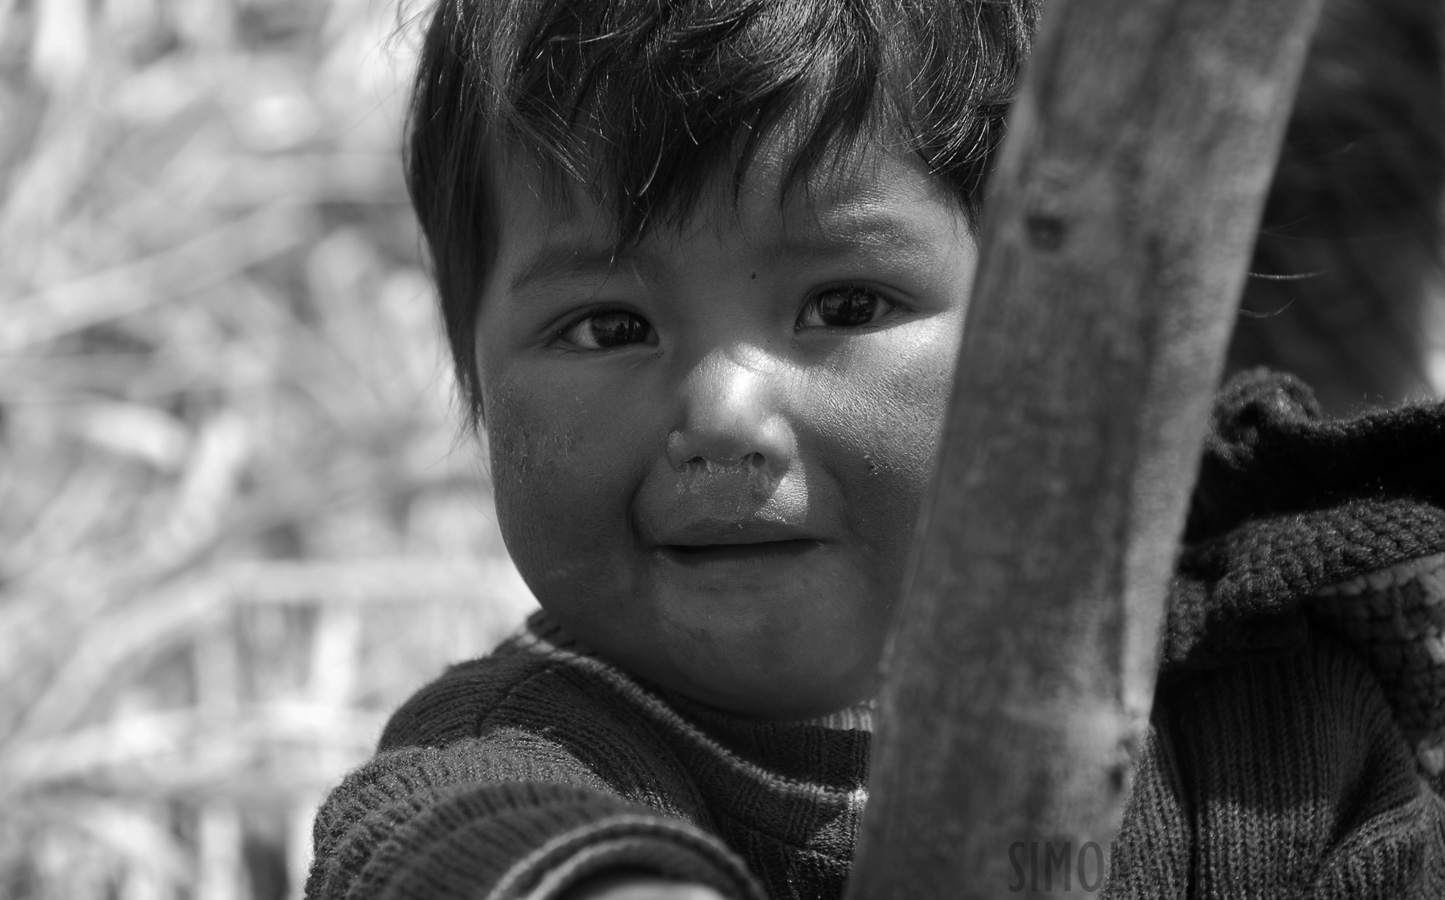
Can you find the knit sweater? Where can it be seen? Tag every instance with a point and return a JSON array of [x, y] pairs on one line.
[[1297, 744]]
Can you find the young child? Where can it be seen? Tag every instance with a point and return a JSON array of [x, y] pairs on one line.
[[703, 268]]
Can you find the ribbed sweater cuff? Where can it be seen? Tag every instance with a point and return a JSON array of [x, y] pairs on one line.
[[650, 844]]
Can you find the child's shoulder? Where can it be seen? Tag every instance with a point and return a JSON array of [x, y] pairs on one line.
[[1298, 730], [1305, 526], [539, 679]]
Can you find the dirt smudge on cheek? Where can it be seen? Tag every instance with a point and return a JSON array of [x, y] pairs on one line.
[[531, 445], [528, 435]]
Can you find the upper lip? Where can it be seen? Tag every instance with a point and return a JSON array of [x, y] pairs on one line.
[[711, 532]]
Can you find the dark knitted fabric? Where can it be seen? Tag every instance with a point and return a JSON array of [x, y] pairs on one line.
[[1296, 748], [516, 775]]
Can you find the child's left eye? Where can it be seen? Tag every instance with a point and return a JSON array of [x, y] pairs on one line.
[[849, 306], [607, 330]]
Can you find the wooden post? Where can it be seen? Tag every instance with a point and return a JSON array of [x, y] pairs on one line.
[[1117, 236]]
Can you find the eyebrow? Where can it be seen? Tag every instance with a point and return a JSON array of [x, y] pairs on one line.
[[821, 239], [569, 259], [873, 234], [826, 237]]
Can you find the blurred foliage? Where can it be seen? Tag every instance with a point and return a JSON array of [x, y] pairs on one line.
[[237, 522]]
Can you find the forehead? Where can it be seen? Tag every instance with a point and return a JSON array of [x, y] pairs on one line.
[[869, 193]]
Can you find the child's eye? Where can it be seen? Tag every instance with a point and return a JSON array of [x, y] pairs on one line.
[[849, 306], [606, 330]]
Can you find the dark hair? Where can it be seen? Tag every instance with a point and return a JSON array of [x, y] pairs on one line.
[[647, 101]]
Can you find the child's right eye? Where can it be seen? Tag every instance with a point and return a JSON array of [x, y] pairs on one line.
[[845, 306], [606, 330]]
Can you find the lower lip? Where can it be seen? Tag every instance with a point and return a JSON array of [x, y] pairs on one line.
[[732, 555]]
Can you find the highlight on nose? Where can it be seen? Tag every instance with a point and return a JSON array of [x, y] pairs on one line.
[[729, 424]]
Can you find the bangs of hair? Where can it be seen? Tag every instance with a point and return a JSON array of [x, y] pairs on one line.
[[649, 103]]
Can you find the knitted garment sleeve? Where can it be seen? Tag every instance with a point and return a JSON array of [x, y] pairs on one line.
[[481, 806], [1280, 777], [1297, 743]]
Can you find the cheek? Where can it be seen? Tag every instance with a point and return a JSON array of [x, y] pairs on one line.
[[888, 416], [560, 487]]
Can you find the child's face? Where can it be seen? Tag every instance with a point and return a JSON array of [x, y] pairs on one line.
[[709, 455]]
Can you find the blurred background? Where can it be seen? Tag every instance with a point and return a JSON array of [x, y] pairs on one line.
[[237, 521]]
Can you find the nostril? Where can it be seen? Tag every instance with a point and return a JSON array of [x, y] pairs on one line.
[[748, 463], [766, 449]]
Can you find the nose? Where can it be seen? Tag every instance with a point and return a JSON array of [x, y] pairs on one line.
[[731, 418]]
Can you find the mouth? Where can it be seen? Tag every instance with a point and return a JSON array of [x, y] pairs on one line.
[[697, 555]]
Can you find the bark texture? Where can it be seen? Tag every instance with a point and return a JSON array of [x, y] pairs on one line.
[[1115, 247]]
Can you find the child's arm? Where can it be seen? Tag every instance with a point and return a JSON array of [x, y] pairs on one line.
[[477, 795], [474, 819]]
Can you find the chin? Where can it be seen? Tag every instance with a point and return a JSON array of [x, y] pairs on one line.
[[778, 698], [764, 654]]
